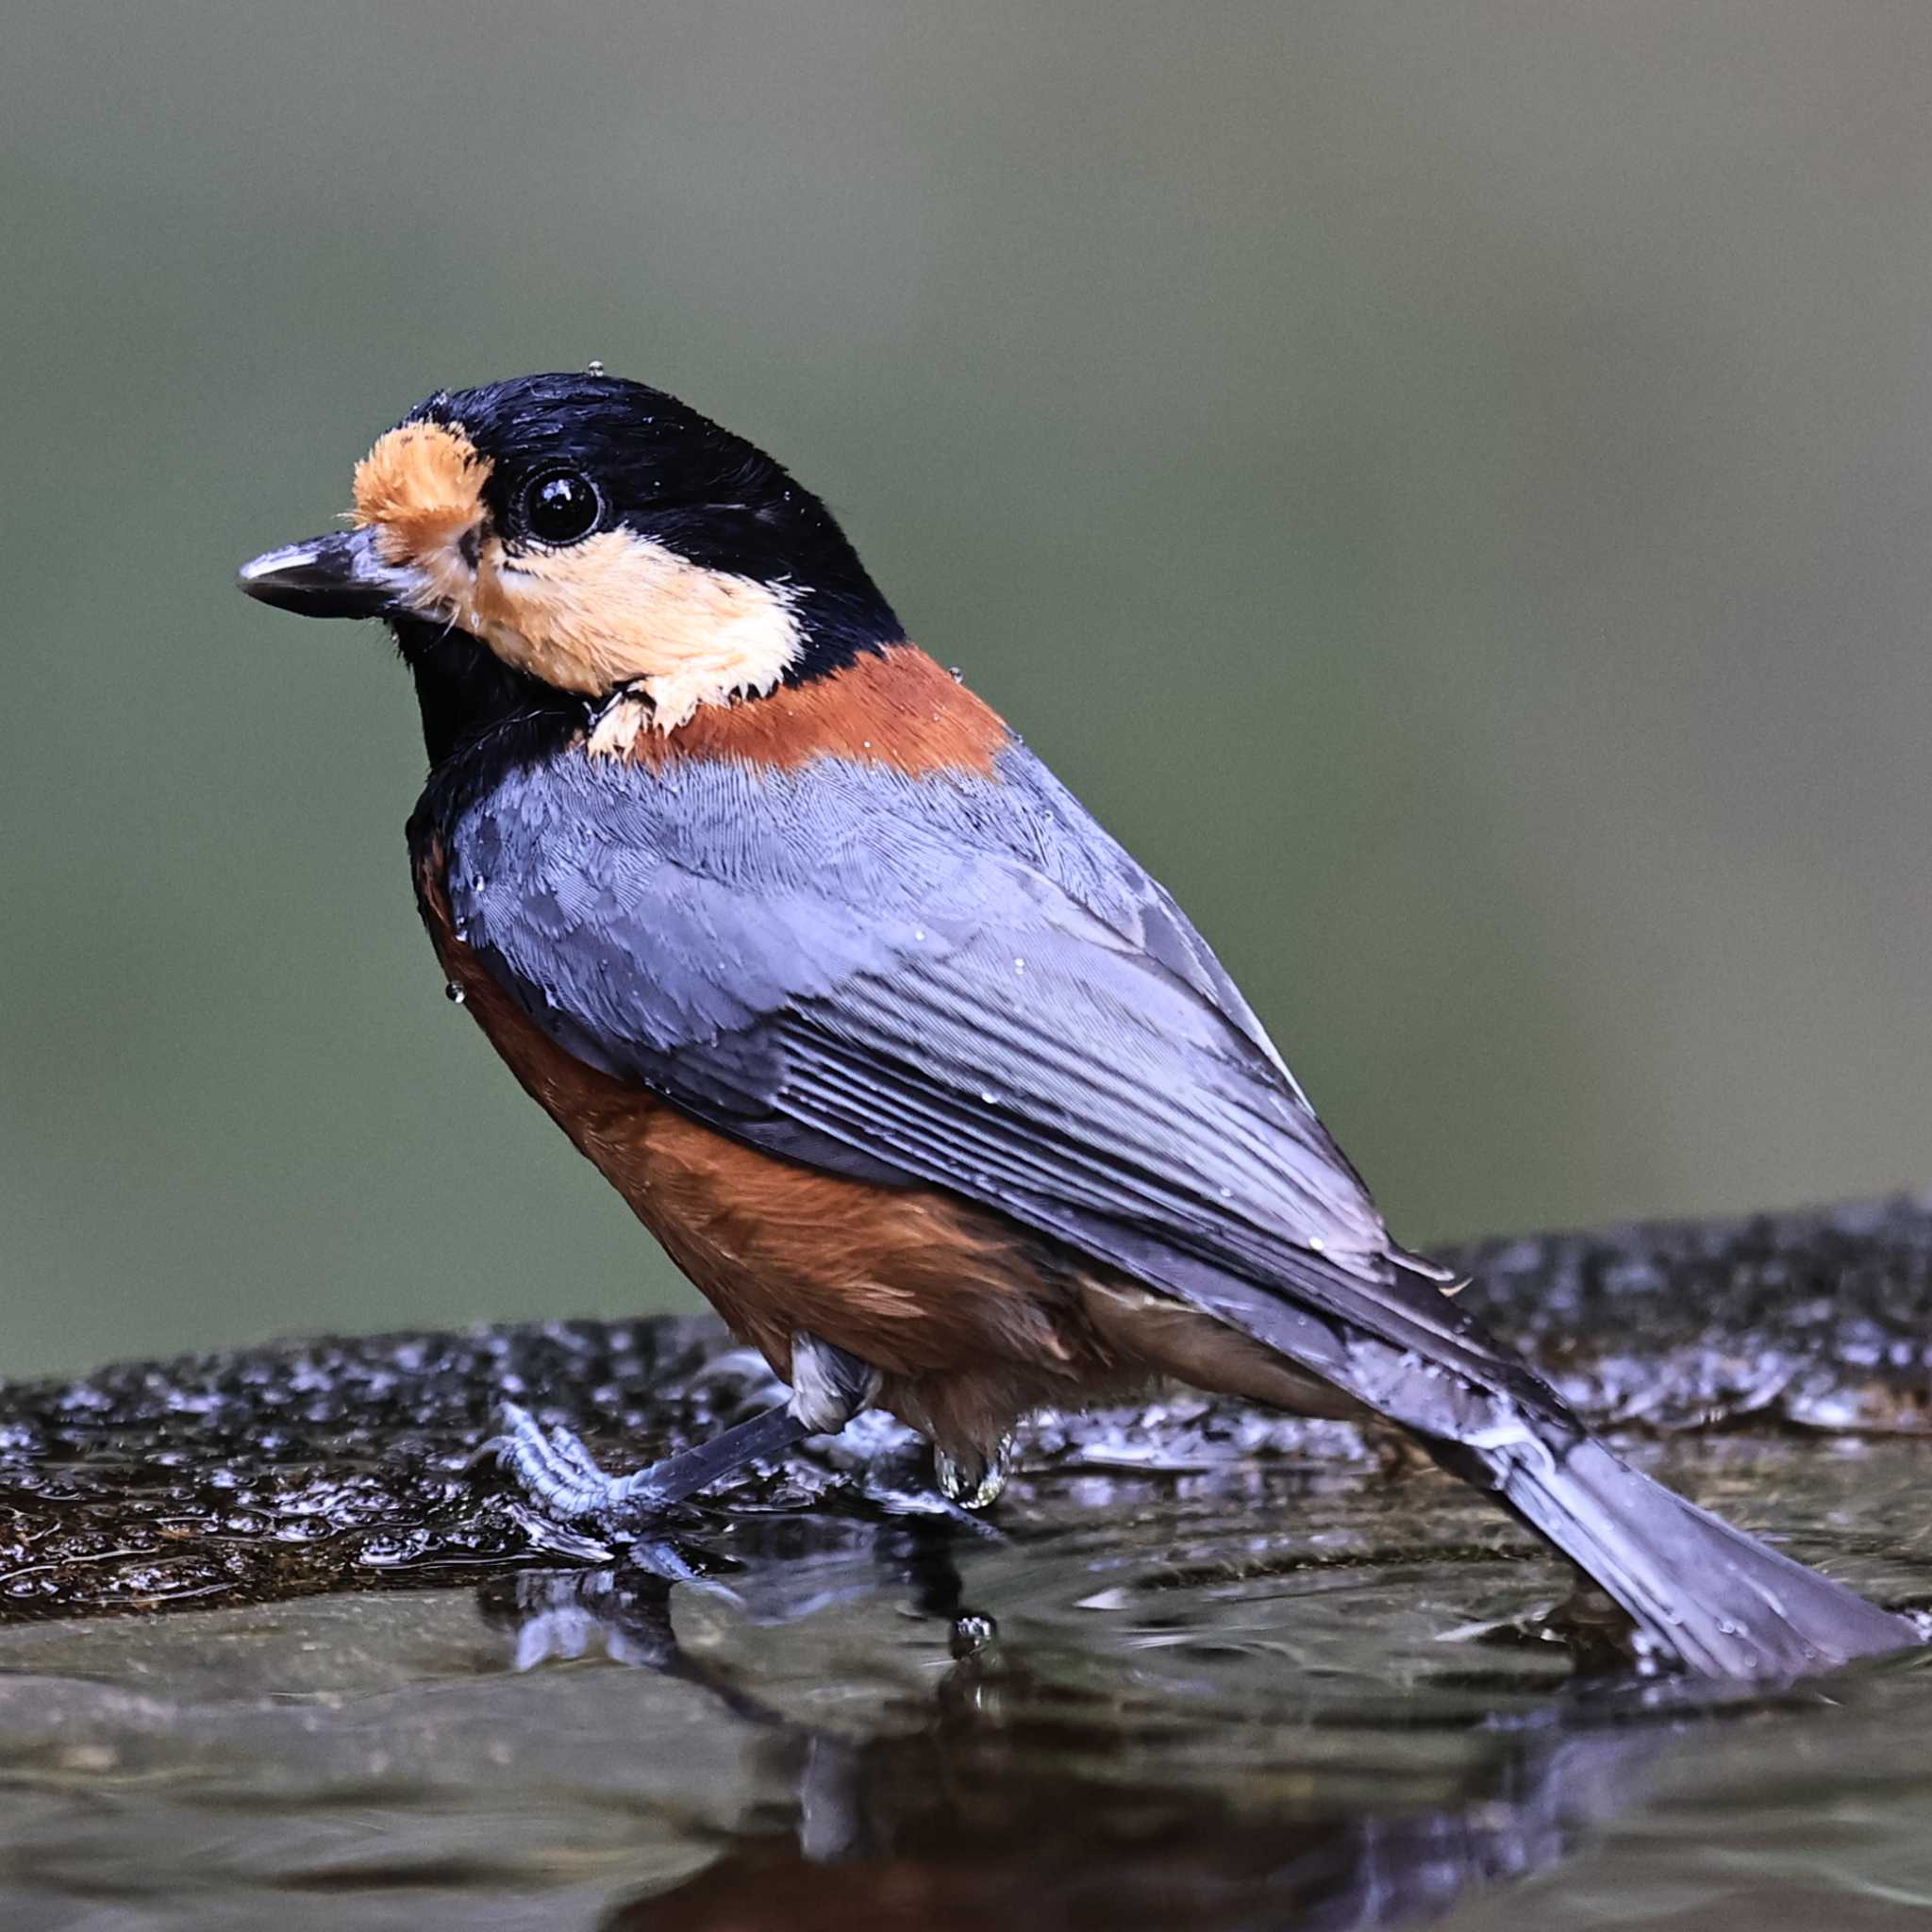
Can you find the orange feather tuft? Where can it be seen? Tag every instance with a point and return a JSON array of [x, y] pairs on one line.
[[897, 709]]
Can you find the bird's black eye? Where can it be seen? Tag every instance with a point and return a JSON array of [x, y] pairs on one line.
[[561, 505]]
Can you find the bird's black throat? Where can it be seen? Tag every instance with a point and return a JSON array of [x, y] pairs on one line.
[[470, 698]]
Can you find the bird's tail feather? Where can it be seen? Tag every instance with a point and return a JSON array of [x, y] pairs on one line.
[[1716, 1600], [1701, 1593]]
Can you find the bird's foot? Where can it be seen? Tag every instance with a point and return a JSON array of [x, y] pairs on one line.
[[973, 1480], [554, 1469], [559, 1476]]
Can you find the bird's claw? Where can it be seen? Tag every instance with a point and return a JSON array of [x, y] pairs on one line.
[[554, 1469]]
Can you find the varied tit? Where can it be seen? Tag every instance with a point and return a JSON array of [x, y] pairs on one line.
[[930, 1089]]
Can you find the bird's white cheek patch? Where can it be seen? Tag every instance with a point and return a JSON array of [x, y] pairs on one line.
[[613, 612], [617, 729], [618, 610]]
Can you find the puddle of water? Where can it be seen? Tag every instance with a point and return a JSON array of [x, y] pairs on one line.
[[1146, 1702]]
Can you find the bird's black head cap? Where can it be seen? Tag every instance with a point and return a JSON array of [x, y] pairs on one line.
[[675, 477], [552, 541]]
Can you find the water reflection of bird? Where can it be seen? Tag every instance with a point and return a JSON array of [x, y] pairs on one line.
[[1017, 1798], [921, 1079]]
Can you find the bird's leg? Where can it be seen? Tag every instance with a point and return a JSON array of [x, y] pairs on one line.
[[558, 1472]]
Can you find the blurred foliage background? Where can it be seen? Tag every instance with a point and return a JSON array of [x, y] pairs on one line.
[[1448, 485]]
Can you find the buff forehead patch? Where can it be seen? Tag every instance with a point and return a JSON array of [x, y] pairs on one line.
[[419, 488]]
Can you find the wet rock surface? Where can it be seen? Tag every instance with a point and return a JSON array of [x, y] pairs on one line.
[[332, 1464], [1297, 1699], [1810, 1321], [1206, 1669]]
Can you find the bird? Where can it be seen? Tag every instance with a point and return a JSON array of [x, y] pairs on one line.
[[928, 1087]]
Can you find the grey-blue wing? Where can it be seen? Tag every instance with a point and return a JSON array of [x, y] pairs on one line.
[[966, 983], [953, 981]]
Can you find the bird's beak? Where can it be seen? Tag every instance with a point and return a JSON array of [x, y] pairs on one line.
[[339, 575]]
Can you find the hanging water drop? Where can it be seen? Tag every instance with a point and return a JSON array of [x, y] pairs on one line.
[[455, 992]]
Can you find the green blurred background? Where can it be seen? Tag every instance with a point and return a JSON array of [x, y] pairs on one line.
[[1448, 484]]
